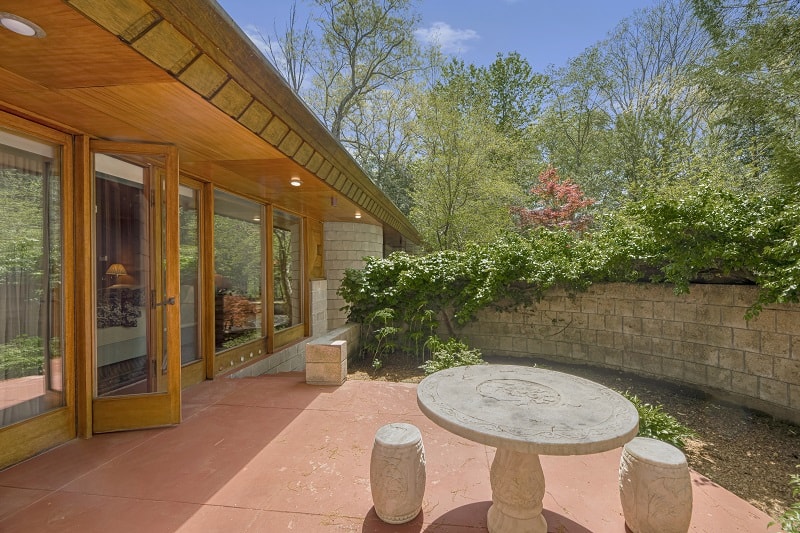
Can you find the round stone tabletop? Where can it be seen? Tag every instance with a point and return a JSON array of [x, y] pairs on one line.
[[528, 409]]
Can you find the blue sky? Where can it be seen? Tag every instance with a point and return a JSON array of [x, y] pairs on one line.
[[543, 32]]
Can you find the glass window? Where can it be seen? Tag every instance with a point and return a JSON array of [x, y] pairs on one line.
[[190, 274], [126, 363], [238, 256], [287, 262], [31, 356]]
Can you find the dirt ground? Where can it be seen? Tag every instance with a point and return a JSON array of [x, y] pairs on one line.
[[748, 453]]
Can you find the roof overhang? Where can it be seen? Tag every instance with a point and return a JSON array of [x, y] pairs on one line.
[[181, 72]]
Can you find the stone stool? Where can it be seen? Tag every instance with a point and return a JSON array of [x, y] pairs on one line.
[[655, 487], [397, 473]]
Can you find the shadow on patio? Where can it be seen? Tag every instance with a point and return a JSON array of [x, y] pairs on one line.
[[274, 454]]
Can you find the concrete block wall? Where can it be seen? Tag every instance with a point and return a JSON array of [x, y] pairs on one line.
[[349, 333], [346, 245], [700, 339], [290, 359], [293, 358]]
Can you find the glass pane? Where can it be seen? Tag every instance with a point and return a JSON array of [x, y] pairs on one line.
[[238, 254], [190, 275], [31, 377], [126, 362], [287, 269]]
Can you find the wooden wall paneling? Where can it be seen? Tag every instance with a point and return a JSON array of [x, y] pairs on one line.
[[207, 278], [316, 250], [305, 285], [270, 285]]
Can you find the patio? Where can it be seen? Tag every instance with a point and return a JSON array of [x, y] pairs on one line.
[[274, 454]]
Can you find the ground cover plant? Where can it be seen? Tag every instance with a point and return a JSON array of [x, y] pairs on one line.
[[656, 423], [790, 518]]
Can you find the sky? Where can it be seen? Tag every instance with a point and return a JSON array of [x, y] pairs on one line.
[[545, 32]]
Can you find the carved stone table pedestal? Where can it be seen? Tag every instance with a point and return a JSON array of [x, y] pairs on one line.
[[517, 491]]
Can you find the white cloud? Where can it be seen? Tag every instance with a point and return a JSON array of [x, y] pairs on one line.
[[451, 40], [255, 35]]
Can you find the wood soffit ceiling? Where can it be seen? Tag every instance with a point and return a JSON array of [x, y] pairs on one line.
[[180, 71]]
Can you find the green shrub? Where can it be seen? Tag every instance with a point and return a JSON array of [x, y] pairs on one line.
[[656, 424], [450, 354], [690, 231], [790, 519], [452, 286]]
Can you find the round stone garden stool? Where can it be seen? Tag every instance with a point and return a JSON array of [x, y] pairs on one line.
[[655, 487], [397, 473]]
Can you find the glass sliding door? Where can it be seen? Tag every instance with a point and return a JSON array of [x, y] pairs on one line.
[[31, 309]]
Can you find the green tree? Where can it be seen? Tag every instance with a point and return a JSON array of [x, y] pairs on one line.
[[755, 80], [365, 45], [290, 49], [651, 93], [365, 69], [573, 133], [514, 93], [459, 197]]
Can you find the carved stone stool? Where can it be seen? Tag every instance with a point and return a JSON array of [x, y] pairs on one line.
[[655, 487], [397, 473]]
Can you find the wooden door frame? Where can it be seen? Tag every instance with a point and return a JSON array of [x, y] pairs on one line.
[[23, 439], [197, 371], [145, 410]]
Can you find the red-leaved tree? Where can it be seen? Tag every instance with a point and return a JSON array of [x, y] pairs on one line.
[[557, 204]]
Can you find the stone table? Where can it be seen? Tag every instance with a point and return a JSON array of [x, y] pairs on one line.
[[525, 412]]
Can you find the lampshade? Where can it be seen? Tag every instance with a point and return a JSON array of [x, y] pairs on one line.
[[117, 269]]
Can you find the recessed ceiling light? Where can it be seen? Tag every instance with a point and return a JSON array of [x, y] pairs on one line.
[[20, 25], [295, 181], [358, 214]]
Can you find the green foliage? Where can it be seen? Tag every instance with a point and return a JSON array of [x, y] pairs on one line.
[[457, 284], [22, 356], [790, 519], [755, 77], [459, 194], [450, 354], [697, 229], [692, 229], [656, 424], [379, 336]]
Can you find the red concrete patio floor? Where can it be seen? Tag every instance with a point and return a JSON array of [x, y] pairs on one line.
[[274, 454]]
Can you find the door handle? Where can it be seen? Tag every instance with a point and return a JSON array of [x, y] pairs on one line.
[[169, 301]]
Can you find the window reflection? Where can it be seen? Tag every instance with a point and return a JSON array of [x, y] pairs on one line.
[[238, 254], [31, 377], [190, 275], [287, 269]]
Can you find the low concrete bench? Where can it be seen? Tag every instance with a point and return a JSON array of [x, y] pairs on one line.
[[326, 356], [397, 473], [326, 364], [655, 487]]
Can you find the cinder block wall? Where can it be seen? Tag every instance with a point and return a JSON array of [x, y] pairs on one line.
[[700, 339], [346, 245]]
